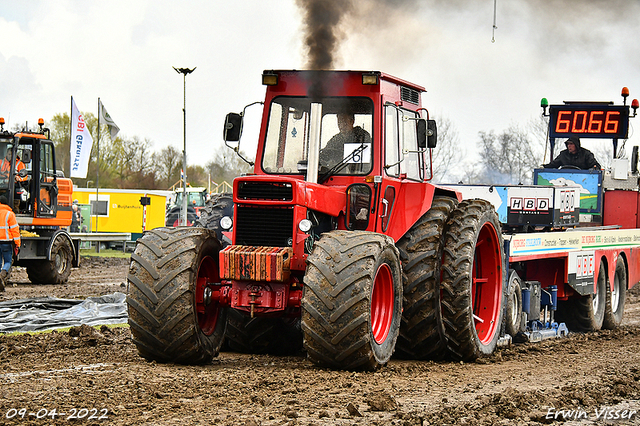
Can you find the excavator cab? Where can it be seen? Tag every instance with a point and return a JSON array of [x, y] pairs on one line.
[[29, 180]]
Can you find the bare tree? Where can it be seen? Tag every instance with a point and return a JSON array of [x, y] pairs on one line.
[[168, 163], [447, 154], [226, 166], [508, 158]]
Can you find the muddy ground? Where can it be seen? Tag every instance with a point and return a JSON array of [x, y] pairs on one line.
[[89, 376]]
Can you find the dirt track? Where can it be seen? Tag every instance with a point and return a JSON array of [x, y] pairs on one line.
[[100, 370]]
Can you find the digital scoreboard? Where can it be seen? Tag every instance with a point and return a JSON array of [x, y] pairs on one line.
[[596, 120]]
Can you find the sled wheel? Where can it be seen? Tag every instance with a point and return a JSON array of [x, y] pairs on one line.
[[263, 335], [616, 298], [586, 313], [421, 331], [173, 312], [352, 302], [473, 282], [513, 314], [219, 206], [56, 270]]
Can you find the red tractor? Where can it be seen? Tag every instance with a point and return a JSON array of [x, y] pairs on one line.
[[338, 241]]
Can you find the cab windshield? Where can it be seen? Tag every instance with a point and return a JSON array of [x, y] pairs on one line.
[[345, 135]]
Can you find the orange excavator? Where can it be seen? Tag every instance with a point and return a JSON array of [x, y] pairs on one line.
[[41, 198]]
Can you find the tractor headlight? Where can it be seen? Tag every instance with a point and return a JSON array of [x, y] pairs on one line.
[[226, 223], [305, 225]]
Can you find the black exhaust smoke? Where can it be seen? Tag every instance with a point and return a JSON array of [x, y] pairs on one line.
[[322, 34]]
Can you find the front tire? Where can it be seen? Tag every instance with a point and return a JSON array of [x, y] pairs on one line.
[[352, 302], [473, 280], [56, 270], [172, 312]]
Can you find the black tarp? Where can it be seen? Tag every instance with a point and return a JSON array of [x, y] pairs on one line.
[[44, 313]]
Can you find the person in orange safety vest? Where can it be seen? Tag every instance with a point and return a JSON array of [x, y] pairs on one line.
[[5, 167], [19, 166], [9, 239]]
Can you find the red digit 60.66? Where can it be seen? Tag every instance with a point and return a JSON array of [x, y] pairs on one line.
[[581, 121]]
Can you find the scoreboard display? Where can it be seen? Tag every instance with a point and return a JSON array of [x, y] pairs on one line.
[[589, 121]]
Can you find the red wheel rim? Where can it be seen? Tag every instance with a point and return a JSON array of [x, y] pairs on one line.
[[382, 304], [487, 284], [207, 313]]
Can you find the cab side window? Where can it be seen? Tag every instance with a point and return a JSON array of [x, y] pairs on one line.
[[392, 140], [401, 135], [411, 164], [47, 166]]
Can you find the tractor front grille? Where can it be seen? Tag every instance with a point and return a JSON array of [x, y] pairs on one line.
[[280, 191], [264, 226]]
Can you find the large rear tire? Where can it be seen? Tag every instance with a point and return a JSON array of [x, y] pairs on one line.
[[172, 312], [217, 207], [263, 335], [616, 298], [586, 313], [421, 331], [56, 270], [352, 302], [473, 280]]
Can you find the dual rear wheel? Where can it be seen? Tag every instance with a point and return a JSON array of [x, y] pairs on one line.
[[473, 281]]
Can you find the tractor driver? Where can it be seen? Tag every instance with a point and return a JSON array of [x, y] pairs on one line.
[[5, 167], [574, 156], [333, 153]]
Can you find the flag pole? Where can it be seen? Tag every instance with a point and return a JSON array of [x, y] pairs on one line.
[[98, 175], [70, 134]]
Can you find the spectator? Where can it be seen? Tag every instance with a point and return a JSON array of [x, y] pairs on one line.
[[9, 239], [76, 217]]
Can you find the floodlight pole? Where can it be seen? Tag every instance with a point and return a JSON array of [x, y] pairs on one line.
[[183, 212]]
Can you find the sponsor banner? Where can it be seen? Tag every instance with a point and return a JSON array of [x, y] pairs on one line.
[[555, 242], [81, 143]]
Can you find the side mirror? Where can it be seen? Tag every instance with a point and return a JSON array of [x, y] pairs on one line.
[[421, 129], [432, 133], [427, 133], [232, 127]]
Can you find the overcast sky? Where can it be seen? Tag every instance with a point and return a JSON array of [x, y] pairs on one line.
[[124, 51]]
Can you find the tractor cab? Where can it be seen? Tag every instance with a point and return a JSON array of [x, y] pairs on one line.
[[343, 138]]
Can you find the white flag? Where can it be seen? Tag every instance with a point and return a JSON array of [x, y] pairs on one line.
[[81, 143], [113, 127]]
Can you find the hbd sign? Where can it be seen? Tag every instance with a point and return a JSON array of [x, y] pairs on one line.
[[529, 204]]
